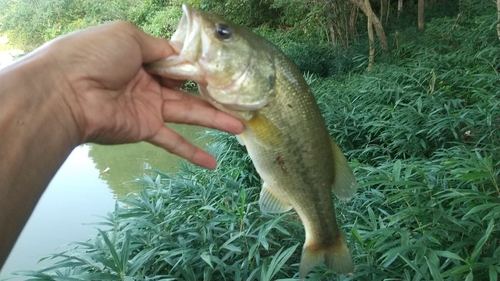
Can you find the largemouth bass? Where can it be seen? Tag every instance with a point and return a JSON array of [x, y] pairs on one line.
[[285, 135]]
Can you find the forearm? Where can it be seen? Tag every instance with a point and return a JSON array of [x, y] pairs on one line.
[[36, 136]]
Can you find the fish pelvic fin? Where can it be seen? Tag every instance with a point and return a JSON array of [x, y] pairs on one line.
[[336, 257], [270, 203], [344, 183], [241, 139]]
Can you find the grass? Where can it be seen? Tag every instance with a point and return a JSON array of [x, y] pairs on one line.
[[422, 133]]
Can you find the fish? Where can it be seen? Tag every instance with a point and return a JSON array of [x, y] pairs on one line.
[[245, 75]]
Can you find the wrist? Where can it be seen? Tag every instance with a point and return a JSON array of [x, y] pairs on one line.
[[35, 121], [35, 93]]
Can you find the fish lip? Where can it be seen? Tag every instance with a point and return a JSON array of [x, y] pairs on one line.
[[180, 34], [186, 35]]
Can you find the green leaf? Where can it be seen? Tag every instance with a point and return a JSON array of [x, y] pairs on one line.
[[479, 246], [449, 255], [205, 256], [412, 265], [116, 265], [470, 277], [433, 265], [232, 248], [277, 262], [493, 273], [479, 208]]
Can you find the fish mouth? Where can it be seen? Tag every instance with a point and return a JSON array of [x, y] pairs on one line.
[[186, 43], [192, 43], [192, 46], [186, 34]]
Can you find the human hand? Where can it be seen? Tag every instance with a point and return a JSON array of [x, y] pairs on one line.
[[114, 100]]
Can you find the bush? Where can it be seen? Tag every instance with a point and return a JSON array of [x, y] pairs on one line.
[[50, 19]]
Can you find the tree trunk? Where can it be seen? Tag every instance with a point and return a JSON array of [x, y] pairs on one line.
[[333, 37], [498, 25], [382, 6], [379, 29], [421, 7], [370, 36], [400, 7], [337, 15], [388, 12], [352, 20]]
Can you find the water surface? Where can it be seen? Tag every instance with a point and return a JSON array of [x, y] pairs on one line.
[[86, 188]]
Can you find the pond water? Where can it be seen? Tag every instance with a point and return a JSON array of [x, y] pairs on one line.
[[85, 189]]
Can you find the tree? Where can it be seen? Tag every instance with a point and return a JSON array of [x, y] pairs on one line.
[[370, 36], [498, 25], [421, 7], [341, 19], [373, 19]]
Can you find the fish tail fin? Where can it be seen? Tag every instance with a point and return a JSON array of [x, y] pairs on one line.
[[336, 257]]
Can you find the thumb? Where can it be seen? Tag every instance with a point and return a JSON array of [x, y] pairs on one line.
[[152, 48]]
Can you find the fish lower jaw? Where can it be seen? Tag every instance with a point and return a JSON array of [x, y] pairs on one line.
[[230, 98]]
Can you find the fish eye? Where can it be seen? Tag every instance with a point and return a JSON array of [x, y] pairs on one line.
[[223, 32]]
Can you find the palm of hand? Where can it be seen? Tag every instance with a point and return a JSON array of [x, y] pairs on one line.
[[113, 100]]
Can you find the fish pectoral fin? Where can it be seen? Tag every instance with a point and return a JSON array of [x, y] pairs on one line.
[[264, 130], [336, 257], [269, 203], [344, 183]]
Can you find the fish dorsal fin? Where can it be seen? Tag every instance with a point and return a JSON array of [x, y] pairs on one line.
[[344, 183], [269, 203]]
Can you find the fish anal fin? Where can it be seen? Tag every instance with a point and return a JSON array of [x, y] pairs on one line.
[[336, 257], [344, 183], [270, 203]]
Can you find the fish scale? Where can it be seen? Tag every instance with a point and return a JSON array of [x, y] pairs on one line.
[[285, 135]]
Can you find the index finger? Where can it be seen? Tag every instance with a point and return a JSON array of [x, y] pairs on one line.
[[188, 109]]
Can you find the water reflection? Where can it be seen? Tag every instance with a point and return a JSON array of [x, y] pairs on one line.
[[119, 164]]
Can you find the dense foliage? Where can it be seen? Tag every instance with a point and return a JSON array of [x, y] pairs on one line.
[[422, 131], [49, 19]]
